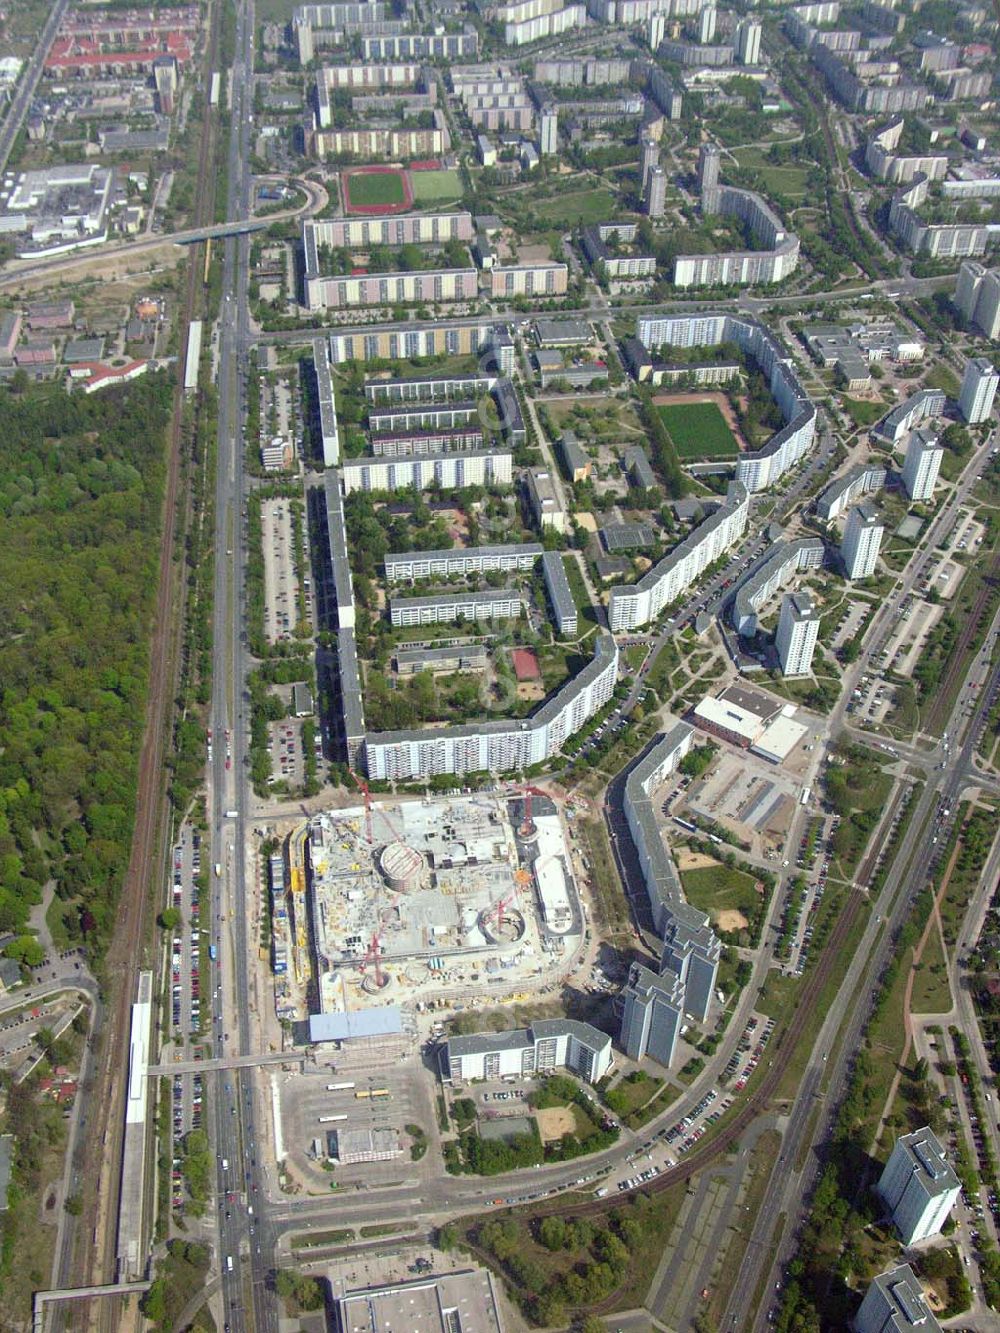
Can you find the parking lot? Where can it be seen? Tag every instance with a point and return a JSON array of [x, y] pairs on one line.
[[281, 589], [813, 856], [186, 999], [19, 1029], [312, 1105], [285, 746]]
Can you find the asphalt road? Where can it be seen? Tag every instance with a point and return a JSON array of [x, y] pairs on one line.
[[948, 772], [243, 1249], [596, 309], [28, 82]]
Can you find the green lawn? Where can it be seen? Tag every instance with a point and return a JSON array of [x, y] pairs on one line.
[[577, 207], [698, 430], [788, 180], [379, 187], [719, 888], [435, 187], [863, 413], [931, 992]]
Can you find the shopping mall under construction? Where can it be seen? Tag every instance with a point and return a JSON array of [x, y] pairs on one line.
[[417, 901]]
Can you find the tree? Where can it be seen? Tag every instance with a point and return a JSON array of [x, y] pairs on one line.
[[154, 1303], [170, 918], [552, 1233], [26, 949], [592, 1324], [447, 1237]]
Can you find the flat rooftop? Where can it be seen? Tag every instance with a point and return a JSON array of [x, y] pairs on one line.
[[463, 1302]]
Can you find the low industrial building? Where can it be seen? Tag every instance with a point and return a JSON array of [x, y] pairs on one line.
[[460, 1302], [349, 1146], [57, 209], [562, 333], [752, 721]]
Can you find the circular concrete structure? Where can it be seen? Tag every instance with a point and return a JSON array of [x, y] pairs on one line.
[[506, 930], [402, 866]]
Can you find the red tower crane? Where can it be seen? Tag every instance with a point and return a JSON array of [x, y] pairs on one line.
[[374, 955], [369, 833]]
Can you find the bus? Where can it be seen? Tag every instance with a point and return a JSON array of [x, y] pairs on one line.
[[330, 1119], [338, 1087]]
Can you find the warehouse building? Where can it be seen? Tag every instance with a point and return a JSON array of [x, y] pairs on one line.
[[459, 1302]]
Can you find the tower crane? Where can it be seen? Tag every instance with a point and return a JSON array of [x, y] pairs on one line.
[[369, 834]]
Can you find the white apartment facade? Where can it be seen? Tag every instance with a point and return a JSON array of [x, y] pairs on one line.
[[979, 388], [633, 606], [919, 1186], [450, 471], [798, 631], [499, 747], [921, 465], [862, 540]]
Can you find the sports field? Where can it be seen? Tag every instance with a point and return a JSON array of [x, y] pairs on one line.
[[435, 187], [375, 188], [698, 430]]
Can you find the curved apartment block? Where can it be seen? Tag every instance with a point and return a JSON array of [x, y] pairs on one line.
[[638, 604], [852, 486], [763, 467], [777, 257], [777, 253], [498, 747], [691, 948]]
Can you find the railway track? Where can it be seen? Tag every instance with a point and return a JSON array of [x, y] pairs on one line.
[[95, 1260], [756, 1104], [957, 664]]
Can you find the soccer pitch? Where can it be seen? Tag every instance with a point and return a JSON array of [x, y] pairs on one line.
[[434, 187], [698, 430], [368, 189]]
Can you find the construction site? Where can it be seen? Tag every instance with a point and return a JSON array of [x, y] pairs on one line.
[[410, 904]]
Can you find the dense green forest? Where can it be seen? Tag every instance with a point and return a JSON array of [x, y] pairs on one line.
[[81, 484]]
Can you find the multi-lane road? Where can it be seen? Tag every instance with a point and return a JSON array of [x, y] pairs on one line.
[[243, 1237], [28, 82], [250, 1224]]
